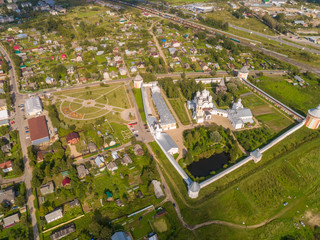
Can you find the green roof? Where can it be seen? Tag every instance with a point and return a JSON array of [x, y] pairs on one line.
[[109, 194]]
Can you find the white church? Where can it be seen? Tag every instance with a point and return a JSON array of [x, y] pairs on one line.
[[203, 108], [239, 116]]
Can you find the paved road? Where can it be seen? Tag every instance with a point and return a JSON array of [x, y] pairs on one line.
[[276, 38], [174, 74], [19, 125], [143, 134]]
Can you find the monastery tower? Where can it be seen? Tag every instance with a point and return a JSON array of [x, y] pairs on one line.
[[313, 118]]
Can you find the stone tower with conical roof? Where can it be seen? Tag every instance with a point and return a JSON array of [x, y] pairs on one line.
[[313, 118], [138, 80], [243, 73], [193, 190]]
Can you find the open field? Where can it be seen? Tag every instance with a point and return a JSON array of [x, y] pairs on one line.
[[254, 192], [296, 97], [266, 113], [249, 23]]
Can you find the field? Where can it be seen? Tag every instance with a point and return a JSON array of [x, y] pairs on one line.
[[249, 23], [296, 97], [267, 113], [256, 192]]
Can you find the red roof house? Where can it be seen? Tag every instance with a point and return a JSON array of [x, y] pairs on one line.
[[65, 182], [6, 166], [16, 47], [63, 56], [38, 130], [72, 138]]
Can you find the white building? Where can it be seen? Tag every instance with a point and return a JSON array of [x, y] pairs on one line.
[[239, 116], [167, 121], [4, 116], [166, 141], [33, 106], [202, 106]]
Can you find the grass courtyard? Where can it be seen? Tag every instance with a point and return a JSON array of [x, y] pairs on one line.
[[267, 113]]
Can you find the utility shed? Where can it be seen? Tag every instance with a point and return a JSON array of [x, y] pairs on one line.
[[38, 130], [157, 189], [11, 220], [53, 216], [33, 106], [47, 188], [62, 232]]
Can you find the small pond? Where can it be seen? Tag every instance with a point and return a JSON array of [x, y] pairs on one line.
[[204, 166]]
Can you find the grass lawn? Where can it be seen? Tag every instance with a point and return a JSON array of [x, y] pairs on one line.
[[266, 113], [88, 110], [178, 106], [122, 132], [161, 225], [254, 192], [138, 97], [118, 98], [296, 97]]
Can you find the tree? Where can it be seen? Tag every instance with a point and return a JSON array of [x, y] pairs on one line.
[[188, 158], [5, 66], [232, 88], [20, 200], [215, 137], [99, 227], [47, 171], [32, 154]]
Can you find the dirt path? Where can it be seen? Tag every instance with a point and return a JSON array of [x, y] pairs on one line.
[[241, 148], [158, 46]]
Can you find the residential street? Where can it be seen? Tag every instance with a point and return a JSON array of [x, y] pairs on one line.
[[19, 124]]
